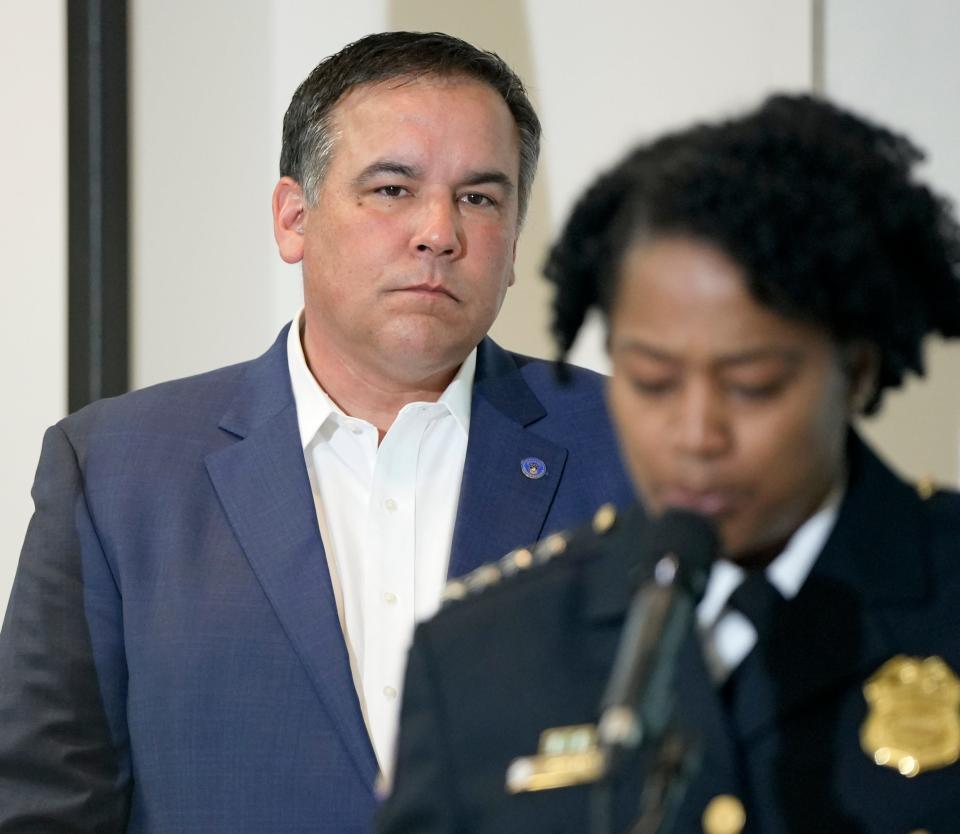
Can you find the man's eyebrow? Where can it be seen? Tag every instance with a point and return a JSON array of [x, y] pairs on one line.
[[492, 177], [387, 166], [412, 172]]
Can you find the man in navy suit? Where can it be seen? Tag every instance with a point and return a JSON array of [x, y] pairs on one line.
[[210, 618]]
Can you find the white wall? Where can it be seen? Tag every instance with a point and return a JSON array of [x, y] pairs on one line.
[[610, 79], [32, 254], [200, 156]]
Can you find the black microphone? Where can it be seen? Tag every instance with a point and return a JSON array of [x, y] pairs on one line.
[[638, 702]]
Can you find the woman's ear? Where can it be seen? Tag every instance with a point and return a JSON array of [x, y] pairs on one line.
[[862, 363]]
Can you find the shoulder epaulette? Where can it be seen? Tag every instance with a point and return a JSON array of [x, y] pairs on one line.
[[516, 561], [521, 559], [926, 487], [604, 519]]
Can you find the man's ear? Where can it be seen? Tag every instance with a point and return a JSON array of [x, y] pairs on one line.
[[289, 215]]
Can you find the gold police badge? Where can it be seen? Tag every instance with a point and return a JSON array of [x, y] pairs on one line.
[[913, 723]]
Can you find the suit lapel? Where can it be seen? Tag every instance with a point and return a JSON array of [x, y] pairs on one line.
[[262, 482], [833, 632], [501, 508]]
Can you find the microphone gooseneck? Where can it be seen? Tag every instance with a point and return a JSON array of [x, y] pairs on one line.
[[637, 703]]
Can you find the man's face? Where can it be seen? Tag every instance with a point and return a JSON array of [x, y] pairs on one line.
[[722, 406], [409, 250]]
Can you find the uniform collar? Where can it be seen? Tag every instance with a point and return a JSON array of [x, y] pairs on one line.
[[787, 572], [875, 547]]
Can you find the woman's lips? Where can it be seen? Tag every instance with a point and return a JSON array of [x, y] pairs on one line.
[[709, 502]]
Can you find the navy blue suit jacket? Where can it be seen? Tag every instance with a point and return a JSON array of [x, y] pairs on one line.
[[171, 655]]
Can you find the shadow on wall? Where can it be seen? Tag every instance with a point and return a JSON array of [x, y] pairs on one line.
[[501, 26]]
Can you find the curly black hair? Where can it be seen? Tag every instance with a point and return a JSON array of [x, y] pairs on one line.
[[818, 206]]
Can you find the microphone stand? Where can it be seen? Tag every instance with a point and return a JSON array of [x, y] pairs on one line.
[[674, 764], [638, 704], [666, 781], [665, 784]]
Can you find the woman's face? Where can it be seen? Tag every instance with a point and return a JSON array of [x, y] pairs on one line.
[[721, 405]]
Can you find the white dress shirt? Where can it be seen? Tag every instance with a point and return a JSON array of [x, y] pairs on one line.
[[726, 635], [386, 515]]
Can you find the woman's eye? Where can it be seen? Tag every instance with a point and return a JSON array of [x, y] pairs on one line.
[[767, 391], [391, 190], [652, 387]]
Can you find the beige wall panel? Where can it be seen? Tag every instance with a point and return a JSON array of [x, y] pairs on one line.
[[200, 153], [629, 71]]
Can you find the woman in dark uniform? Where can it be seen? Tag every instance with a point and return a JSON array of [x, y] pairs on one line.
[[764, 281]]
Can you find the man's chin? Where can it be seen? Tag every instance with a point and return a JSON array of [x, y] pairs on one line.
[[415, 363]]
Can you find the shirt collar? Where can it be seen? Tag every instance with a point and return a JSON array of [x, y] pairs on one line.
[[314, 406], [787, 572], [458, 395]]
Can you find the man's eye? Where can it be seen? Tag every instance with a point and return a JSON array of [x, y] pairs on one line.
[[475, 199], [391, 190]]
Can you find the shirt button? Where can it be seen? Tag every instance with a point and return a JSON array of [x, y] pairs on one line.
[[356, 429], [390, 504], [389, 692], [390, 597]]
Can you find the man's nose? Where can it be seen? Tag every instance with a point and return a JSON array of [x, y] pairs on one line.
[[438, 229], [702, 425]]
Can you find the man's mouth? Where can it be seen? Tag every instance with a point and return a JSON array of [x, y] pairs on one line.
[[429, 290]]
